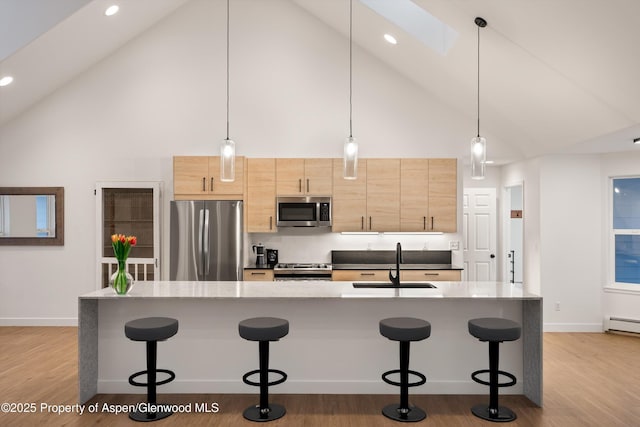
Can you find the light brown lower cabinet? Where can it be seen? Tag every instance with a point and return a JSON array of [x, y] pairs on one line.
[[406, 275], [432, 275], [258, 274], [360, 275]]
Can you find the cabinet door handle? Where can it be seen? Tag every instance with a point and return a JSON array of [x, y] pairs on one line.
[[257, 273], [431, 223], [424, 222], [204, 180], [369, 223], [367, 274], [431, 274], [307, 185], [361, 223], [211, 183], [270, 223], [300, 186]]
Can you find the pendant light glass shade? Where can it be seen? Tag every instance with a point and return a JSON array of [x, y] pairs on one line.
[[478, 157], [228, 161], [350, 163]]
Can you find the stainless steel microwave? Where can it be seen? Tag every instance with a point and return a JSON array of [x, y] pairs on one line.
[[304, 211]]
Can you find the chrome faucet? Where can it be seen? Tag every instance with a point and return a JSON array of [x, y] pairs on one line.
[[396, 279]]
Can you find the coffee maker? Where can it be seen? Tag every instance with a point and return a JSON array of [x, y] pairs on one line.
[[272, 257], [259, 251]]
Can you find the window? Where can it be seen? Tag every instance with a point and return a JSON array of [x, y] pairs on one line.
[[626, 231], [4, 205], [45, 216]]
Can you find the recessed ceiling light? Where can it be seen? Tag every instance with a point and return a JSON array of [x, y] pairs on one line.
[[636, 140], [112, 10], [390, 39], [6, 80]]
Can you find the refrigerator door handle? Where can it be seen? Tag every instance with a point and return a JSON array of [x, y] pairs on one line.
[[206, 242], [200, 225]]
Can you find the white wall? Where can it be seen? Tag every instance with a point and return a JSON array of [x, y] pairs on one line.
[[570, 242], [163, 94], [527, 173]]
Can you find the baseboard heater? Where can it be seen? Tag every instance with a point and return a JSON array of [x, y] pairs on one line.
[[613, 323]]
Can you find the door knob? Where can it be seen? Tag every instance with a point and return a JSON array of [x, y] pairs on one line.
[[492, 256]]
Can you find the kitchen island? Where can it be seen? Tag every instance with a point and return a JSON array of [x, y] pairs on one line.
[[333, 347]]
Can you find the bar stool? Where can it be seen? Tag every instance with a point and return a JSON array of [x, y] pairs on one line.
[[494, 330], [151, 330], [263, 330], [404, 330]]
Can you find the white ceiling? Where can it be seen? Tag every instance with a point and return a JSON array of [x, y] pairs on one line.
[[556, 76]]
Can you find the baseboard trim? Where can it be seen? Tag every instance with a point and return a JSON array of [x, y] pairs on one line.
[[573, 327], [38, 321]]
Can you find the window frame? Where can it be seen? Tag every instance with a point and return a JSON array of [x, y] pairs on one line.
[[613, 232]]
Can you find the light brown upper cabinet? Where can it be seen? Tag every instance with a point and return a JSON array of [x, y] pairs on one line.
[[443, 195], [349, 201], [428, 195], [301, 177], [414, 194], [199, 176], [372, 201], [261, 196], [383, 195]]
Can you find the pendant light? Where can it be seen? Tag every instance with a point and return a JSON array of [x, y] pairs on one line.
[[479, 143], [228, 147], [350, 162]]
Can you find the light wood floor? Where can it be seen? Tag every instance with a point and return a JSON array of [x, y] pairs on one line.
[[589, 380]]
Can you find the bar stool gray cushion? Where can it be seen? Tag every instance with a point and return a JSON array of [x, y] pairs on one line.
[[494, 329], [263, 328], [405, 328], [151, 328]]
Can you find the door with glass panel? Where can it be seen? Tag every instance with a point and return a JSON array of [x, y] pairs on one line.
[[132, 209]]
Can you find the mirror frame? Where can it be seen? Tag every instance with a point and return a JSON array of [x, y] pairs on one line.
[[58, 193]]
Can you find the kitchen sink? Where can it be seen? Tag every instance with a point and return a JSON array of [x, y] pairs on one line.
[[389, 285]]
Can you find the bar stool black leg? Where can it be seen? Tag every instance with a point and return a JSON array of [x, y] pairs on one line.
[[404, 377], [494, 412], [152, 357], [264, 378], [264, 411], [403, 412], [152, 352]]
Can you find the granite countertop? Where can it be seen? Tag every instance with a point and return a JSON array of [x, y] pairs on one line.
[[393, 266], [310, 290]]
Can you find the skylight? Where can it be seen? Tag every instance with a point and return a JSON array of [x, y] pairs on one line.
[[416, 21]]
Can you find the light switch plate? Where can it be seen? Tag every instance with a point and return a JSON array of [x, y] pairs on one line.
[[454, 245]]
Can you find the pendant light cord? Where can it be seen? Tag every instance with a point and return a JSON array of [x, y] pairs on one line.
[[478, 81], [227, 69], [350, 68]]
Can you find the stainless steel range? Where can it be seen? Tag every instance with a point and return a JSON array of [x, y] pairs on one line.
[[302, 271]]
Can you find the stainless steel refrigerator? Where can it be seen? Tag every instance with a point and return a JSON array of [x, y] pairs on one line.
[[206, 240]]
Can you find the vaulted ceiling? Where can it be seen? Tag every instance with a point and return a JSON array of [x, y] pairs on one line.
[[556, 76]]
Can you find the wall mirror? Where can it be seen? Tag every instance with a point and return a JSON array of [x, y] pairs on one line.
[[32, 216]]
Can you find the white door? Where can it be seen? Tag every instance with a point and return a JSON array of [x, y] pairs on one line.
[[479, 234]]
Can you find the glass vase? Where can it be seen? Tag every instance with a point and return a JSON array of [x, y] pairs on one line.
[[121, 281]]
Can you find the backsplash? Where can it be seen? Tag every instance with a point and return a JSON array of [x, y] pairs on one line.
[[316, 244]]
